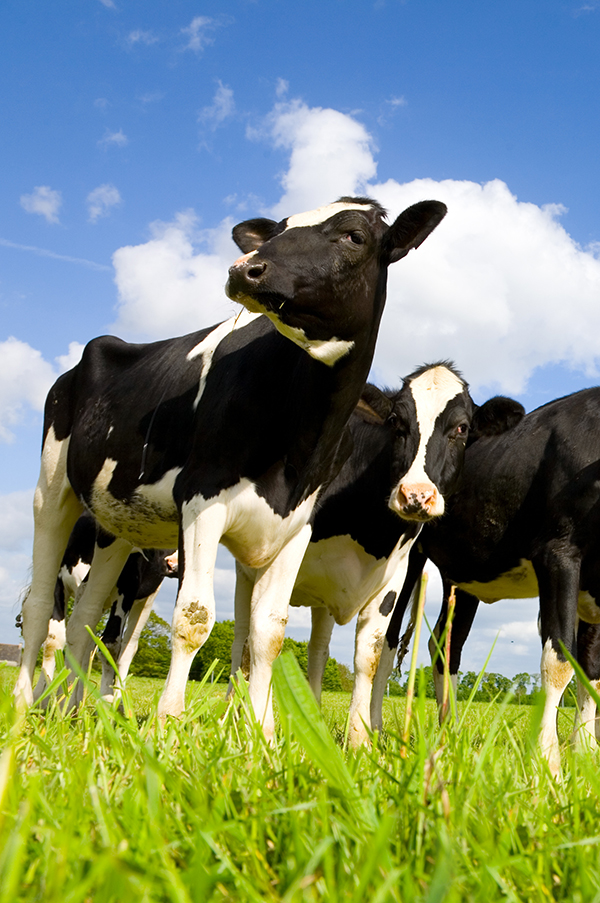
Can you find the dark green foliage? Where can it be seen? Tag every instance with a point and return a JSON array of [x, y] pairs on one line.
[[154, 651], [218, 646]]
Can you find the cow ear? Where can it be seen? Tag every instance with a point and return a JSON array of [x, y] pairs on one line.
[[374, 406], [412, 228], [495, 416], [253, 233]]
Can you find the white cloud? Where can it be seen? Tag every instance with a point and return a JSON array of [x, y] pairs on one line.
[[43, 200], [71, 359], [198, 32], [142, 37], [222, 107], [166, 288], [500, 287], [331, 154], [117, 138], [100, 200], [24, 381], [108, 3]]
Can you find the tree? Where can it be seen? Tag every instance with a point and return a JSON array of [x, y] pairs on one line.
[[218, 646], [153, 656]]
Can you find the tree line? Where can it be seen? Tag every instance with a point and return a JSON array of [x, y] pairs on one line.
[[154, 655]]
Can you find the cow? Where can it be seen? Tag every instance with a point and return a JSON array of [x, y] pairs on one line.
[[224, 435], [408, 449], [526, 522], [130, 602]]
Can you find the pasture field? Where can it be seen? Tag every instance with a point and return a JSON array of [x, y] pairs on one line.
[[110, 807]]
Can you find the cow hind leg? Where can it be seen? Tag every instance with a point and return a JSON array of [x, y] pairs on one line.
[[124, 646], [244, 584], [56, 509], [586, 727]]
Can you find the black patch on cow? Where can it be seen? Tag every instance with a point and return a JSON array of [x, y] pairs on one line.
[[387, 603]]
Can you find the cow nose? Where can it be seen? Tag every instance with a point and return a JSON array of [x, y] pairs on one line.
[[416, 499], [248, 268]]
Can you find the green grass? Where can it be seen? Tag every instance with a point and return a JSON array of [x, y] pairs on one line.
[[106, 807]]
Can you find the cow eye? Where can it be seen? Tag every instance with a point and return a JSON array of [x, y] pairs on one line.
[[355, 237], [462, 429]]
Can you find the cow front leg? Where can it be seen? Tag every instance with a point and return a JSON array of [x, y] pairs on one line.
[[322, 623], [464, 615], [558, 572], [585, 730], [202, 526], [268, 618], [369, 642], [55, 509]]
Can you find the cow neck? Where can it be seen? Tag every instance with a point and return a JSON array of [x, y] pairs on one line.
[[330, 395]]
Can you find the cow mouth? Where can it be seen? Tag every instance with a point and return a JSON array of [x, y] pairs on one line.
[[259, 303]]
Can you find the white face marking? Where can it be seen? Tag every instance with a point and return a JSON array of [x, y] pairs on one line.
[[431, 393], [321, 214], [209, 345]]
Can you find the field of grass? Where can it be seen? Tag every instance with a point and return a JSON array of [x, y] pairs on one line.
[[109, 807]]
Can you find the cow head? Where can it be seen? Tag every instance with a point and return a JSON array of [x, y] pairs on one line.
[[321, 276], [430, 420]]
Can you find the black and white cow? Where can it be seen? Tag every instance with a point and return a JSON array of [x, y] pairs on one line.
[[408, 449], [526, 522], [225, 435], [130, 602]]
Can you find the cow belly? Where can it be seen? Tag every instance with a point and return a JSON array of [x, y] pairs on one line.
[[337, 573], [254, 533], [148, 520], [587, 609], [518, 583]]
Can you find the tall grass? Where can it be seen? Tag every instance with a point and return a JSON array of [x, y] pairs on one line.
[[113, 807]]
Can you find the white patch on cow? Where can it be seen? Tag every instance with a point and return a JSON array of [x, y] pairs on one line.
[[518, 583], [587, 609], [211, 342], [321, 214], [555, 678], [148, 520], [253, 532], [431, 393], [338, 573], [328, 351]]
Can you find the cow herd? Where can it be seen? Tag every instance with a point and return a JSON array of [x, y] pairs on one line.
[[262, 433]]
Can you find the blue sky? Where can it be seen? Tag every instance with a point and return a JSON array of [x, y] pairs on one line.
[[135, 134]]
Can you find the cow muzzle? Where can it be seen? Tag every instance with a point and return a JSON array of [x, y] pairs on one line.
[[417, 501], [246, 275]]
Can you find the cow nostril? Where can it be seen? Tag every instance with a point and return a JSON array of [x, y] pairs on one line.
[[256, 270]]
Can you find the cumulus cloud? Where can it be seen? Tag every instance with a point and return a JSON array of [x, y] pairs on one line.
[[25, 380], [100, 201], [222, 108], [199, 32], [44, 201], [142, 37], [500, 287], [118, 139], [166, 287], [331, 154]]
